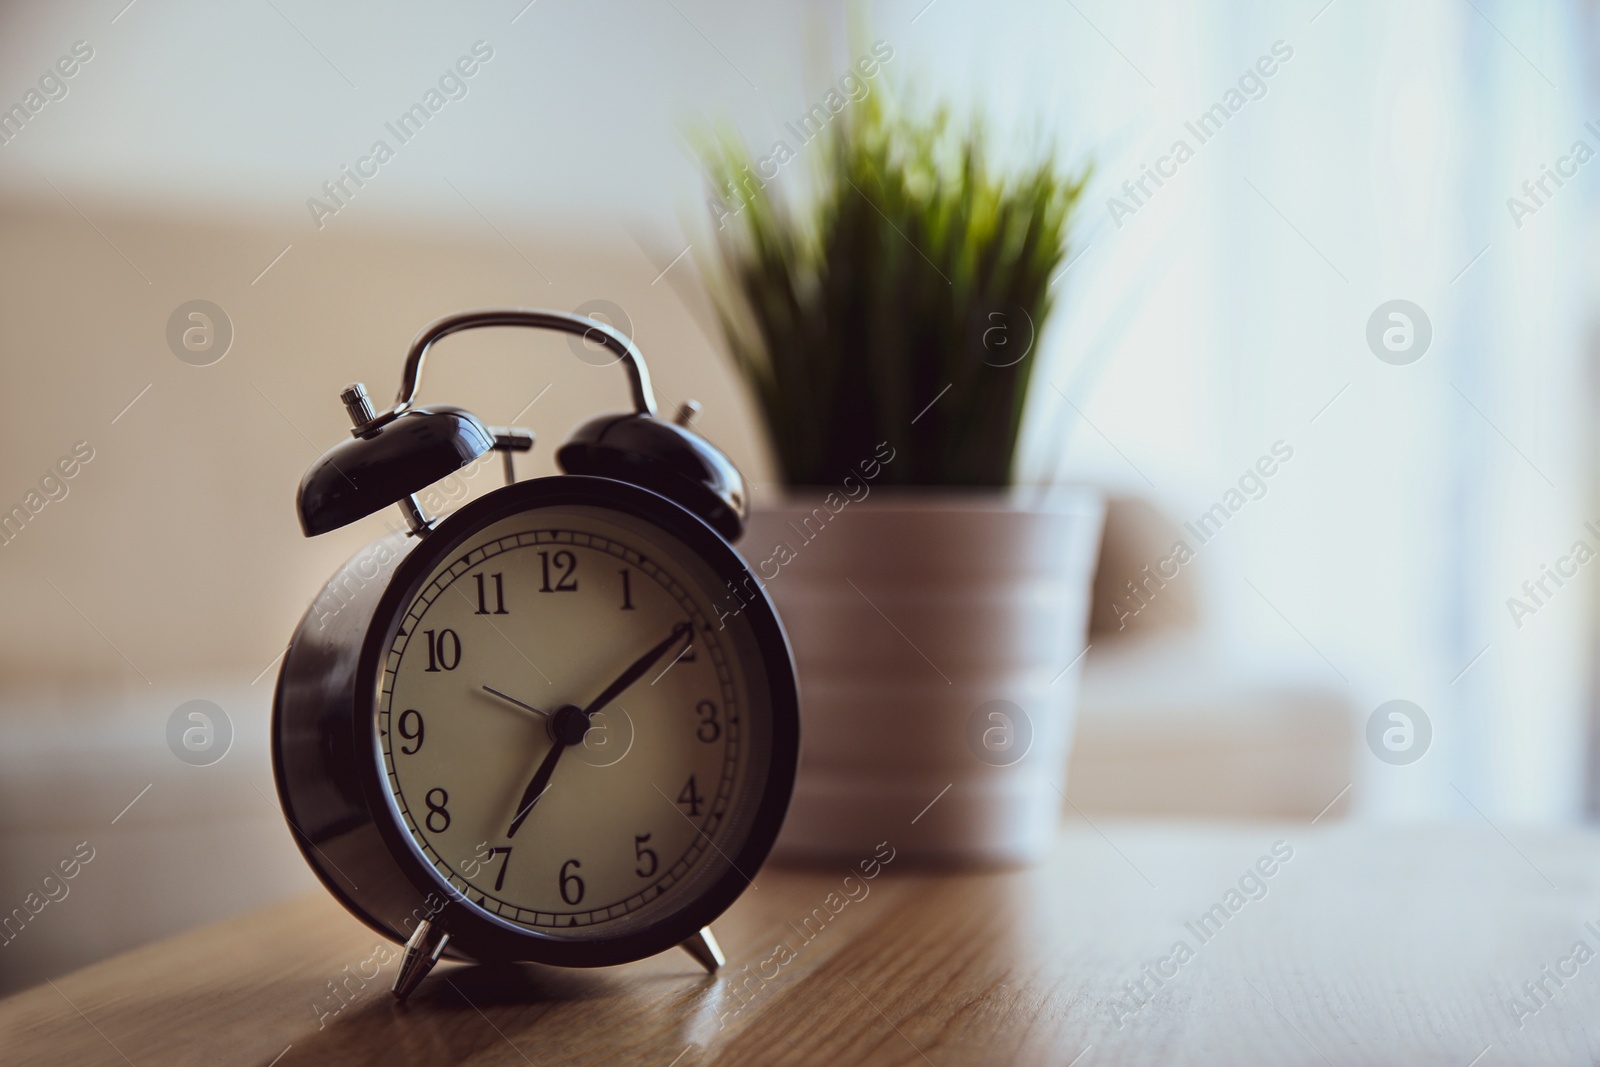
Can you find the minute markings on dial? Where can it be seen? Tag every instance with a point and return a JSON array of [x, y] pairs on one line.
[[689, 597]]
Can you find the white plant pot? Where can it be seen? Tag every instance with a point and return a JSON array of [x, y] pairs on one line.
[[912, 613]]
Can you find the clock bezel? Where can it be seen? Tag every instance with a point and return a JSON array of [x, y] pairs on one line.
[[477, 932]]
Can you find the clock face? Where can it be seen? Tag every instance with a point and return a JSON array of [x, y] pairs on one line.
[[575, 733]]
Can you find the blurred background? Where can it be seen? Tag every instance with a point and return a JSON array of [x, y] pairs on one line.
[[1220, 315]]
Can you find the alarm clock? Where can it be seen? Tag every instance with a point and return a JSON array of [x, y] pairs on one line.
[[558, 725]]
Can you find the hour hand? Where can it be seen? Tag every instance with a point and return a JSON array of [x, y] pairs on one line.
[[508, 698]]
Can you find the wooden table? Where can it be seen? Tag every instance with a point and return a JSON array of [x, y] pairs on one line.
[[1367, 945]]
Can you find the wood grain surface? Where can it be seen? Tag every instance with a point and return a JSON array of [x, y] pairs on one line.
[[1366, 945]]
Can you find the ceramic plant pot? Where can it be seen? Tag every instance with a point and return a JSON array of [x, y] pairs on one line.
[[937, 637]]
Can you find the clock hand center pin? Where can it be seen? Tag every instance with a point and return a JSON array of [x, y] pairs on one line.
[[569, 723]]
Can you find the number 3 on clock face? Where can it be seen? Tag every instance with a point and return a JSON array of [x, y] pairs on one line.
[[574, 732]]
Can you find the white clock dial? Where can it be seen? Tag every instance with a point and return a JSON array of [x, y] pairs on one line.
[[526, 627]]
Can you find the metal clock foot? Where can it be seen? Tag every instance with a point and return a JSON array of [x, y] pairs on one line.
[[704, 948], [422, 952]]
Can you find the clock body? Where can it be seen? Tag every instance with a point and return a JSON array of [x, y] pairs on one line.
[[433, 679]]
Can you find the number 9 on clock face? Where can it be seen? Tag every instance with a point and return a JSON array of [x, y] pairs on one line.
[[575, 722]]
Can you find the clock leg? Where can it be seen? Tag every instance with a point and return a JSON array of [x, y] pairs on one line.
[[422, 952], [704, 948]]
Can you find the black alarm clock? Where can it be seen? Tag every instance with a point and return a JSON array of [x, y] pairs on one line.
[[559, 725]]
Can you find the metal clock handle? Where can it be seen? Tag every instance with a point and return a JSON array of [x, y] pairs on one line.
[[644, 401]]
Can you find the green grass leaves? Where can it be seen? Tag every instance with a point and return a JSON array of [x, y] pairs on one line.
[[897, 305]]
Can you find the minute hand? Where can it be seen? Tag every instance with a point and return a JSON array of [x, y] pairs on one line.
[[640, 665]]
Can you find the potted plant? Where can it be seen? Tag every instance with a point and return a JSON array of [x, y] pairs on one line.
[[885, 328]]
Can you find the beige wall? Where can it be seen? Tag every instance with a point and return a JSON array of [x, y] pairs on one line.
[[178, 541]]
